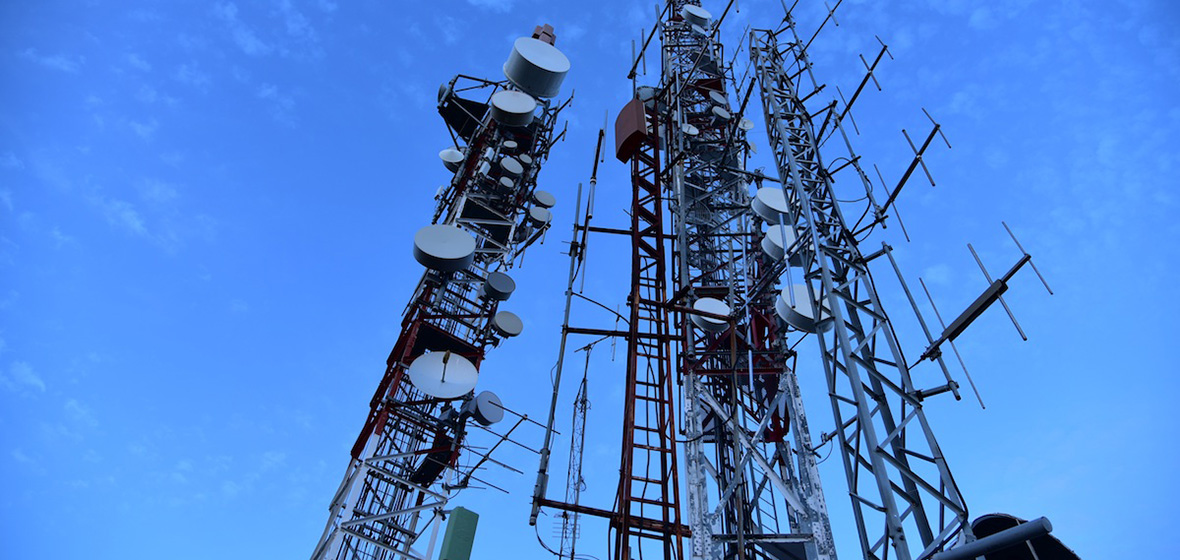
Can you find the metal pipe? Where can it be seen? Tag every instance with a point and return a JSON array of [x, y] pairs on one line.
[[543, 470], [1024, 532]]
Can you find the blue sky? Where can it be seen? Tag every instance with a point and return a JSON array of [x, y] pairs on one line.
[[205, 220]]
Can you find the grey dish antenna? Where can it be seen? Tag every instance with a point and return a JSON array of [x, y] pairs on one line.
[[507, 324], [445, 375], [486, 408], [776, 242], [769, 202], [536, 67], [511, 166], [794, 305], [714, 306], [513, 108], [544, 199], [444, 248], [498, 286], [451, 158]]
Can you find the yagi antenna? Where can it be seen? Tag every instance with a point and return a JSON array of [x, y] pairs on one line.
[[896, 212], [870, 74], [950, 341], [918, 160], [994, 292]]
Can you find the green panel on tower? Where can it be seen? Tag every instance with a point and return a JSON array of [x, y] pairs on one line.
[[460, 535]]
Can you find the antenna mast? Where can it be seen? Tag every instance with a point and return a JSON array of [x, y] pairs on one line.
[[405, 464]]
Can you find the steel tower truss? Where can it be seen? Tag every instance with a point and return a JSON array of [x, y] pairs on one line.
[[405, 462], [705, 311], [752, 491], [905, 502]]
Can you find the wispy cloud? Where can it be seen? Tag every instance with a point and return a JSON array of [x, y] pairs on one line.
[[157, 192], [60, 239], [80, 413], [296, 23], [294, 36], [137, 62], [56, 61], [190, 74], [20, 377], [281, 105], [940, 274], [237, 306], [19, 456], [8, 160], [121, 214], [149, 95], [244, 36], [449, 27], [144, 130], [501, 6]]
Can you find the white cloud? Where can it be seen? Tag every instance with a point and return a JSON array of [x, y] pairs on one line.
[[230, 489], [144, 130], [982, 18], [282, 106], [938, 274], [122, 214], [190, 74], [272, 459], [296, 23], [147, 94], [57, 62], [449, 27], [60, 239], [80, 413], [243, 35], [501, 6], [138, 62], [154, 191], [21, 377], [8, 160]]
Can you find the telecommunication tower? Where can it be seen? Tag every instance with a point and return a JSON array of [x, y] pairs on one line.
[[406, 462], [740, 281]]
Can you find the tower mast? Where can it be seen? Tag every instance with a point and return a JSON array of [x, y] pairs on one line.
[[405, 464]]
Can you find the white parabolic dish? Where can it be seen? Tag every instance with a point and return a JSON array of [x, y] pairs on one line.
[[539, 216], [487, 408], [511, 166], [710, 305], [445, 375], [775, 246], [513, 108], [536, 67], [499, 286], [769, 202], [507, 323], [801, 315], [544, 199], [444, 248], [696, 15], [451, 158]]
